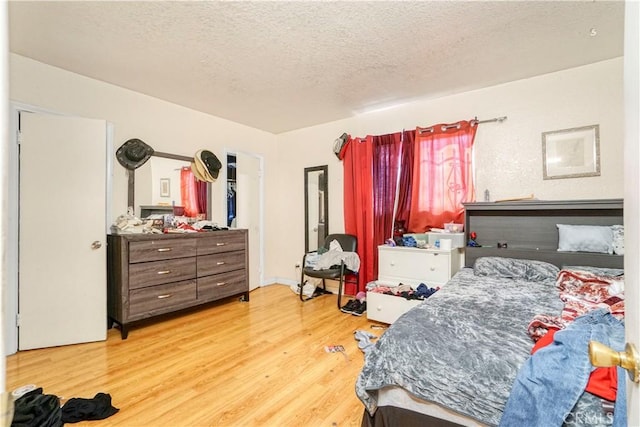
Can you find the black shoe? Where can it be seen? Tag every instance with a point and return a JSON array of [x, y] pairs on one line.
[[350, 306], [360, 310]]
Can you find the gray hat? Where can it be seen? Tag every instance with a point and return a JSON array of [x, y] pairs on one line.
[[133, 153]]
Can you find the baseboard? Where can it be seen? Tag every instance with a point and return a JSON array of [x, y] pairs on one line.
[[332, 285]]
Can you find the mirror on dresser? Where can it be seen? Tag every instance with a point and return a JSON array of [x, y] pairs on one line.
[[316, 207], [155, 187]]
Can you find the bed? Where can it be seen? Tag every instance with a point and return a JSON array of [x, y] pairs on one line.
[[453, 359]]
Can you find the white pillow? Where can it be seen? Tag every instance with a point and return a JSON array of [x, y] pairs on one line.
[[618, 239], [585, 238]]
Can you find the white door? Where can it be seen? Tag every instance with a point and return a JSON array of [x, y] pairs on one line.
[[62, 254], [249, 211], [632, 193]]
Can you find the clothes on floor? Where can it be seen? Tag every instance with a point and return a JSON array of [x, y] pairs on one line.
[[36, 409], [364, 340], [78, 409]]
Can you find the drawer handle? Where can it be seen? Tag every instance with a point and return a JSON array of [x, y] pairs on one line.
[[432, 269], [164, 296], [221, 283], [392, 263], [220, 263], [164, 272], [220, 244], [164, 249]]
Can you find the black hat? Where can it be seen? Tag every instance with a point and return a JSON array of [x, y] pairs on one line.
[[210, 161], [133, 153], [339, 144]]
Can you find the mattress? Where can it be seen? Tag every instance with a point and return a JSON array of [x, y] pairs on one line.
[[456, 355]]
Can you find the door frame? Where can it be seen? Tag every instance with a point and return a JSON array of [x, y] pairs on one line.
[[231, 151], [13, 215]]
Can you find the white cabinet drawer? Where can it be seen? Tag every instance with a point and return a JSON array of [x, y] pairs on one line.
[[413, 266], [387, 308]]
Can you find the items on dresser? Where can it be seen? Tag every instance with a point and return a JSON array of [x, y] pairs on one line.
[[149, 275], [431, 238]]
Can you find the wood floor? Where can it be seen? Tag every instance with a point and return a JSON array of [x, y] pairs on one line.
[[229, 364]]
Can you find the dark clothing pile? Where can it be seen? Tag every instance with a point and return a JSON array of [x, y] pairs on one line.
[[35, 409]]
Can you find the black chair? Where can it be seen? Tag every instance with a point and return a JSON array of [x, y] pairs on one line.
[[348, 243]]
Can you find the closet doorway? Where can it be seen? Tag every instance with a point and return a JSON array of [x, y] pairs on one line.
[[245, 206]]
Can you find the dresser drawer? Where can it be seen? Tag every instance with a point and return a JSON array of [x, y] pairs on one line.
[[220, 263], [160, 299], [387, 308], [222, 285], [158, 272], [418, 264], [221, 241], [154, 250]]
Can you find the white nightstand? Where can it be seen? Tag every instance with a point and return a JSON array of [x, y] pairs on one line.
[[409, 266], [412, 266]]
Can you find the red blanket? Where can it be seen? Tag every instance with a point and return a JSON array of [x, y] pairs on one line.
[[581, 292]]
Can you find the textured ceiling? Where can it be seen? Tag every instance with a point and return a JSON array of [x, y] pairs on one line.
[[280, 66]]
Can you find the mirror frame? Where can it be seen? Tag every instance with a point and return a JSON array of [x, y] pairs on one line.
[[307, 171], [132, 180]]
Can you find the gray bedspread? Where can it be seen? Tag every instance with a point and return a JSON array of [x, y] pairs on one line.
[[462, 347]]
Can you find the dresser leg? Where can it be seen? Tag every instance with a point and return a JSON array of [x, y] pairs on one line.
[[124, 331], [245, 297]]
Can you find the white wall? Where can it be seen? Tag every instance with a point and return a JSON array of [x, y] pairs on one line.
[[508, 154], [164, 126]]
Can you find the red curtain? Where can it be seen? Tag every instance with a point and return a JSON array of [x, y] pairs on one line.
[[406, 176], [371, 168], [201, 196], [442, 175], [188, 192], [435, 176], [386, 154], [357, 156]]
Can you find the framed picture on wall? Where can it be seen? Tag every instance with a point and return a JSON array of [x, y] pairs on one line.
[[571, 153], [165, 187]]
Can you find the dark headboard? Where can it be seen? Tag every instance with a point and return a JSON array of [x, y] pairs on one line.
[[529, 229]]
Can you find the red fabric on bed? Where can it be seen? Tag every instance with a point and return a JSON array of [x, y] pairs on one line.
[[581, 292], [603, 382]]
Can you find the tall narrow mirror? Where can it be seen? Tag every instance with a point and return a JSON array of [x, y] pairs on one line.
[[316, 207]]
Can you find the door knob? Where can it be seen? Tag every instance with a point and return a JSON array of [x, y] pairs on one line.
[[96, 245], [629, 359]]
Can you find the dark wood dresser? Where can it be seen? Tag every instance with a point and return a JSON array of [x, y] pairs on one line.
[[154, 274]]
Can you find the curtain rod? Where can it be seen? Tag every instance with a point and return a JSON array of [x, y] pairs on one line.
[[497, 119], [475, 120]]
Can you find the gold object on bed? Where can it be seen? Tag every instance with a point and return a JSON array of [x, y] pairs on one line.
[[601, 355]]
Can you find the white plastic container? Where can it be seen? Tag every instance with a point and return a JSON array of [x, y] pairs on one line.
[[457, 239]]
